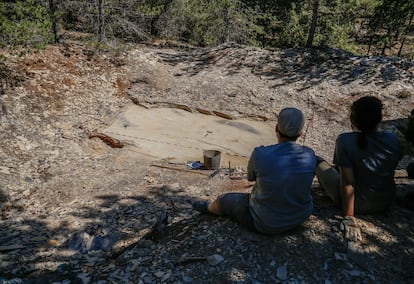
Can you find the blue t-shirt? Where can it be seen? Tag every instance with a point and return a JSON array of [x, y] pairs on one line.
[[281, 198], [373, 166]]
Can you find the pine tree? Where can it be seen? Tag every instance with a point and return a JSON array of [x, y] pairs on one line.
[[24, 23], [208, 22], [390, 25]]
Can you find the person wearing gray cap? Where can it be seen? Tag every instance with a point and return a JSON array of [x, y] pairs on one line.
[[282, 173]]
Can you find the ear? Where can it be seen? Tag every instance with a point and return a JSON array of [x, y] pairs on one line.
[[277, 132]]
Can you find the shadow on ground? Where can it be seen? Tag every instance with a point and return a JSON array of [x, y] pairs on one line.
[[138, 236], [3, 197], [306, 66]]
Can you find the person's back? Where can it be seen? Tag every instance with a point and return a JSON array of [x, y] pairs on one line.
[[366, 160], [374, 165], [281, 198]]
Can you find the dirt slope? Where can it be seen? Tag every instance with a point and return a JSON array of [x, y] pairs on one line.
[[73, 208]]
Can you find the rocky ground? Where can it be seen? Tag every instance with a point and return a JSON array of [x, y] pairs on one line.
[[75, 209]]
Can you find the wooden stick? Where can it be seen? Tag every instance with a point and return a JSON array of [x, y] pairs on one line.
[[188, 259], [180, 169]]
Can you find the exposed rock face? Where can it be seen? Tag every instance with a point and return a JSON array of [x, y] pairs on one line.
[[403, 128]]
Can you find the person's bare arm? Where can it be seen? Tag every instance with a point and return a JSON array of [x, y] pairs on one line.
[[349, 224], [347, 190]]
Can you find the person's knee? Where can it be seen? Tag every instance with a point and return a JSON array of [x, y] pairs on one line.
[[329, 180], [215, 207], [323, 167], [327, 175]]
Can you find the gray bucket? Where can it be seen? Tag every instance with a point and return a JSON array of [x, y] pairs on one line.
[[211, 159]]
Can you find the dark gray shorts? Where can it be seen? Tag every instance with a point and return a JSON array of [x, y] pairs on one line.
[[236, 206]]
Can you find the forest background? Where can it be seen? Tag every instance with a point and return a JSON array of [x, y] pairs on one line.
[[364, 27]]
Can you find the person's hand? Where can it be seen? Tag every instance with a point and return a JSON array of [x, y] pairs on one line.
[[351, 229]]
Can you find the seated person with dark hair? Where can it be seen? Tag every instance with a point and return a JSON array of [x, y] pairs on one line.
[[366, 159]]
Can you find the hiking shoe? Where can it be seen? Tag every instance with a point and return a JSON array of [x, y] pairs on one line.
[[200, 206]]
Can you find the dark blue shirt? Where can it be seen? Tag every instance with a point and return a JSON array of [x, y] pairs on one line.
[[281, 198], [374, 165]]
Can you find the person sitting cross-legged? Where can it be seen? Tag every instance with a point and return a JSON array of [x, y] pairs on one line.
[[282, 173]]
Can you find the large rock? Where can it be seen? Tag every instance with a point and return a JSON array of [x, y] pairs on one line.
[[403, 128]]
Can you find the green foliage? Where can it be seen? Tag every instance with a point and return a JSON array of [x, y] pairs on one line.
[[391, 23], [24, 23], [294, 32], [268, 29], [209, 22], [335, 23], [152, 9], [347, 24]]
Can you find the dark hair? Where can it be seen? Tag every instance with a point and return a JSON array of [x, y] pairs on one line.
[[366, 114]]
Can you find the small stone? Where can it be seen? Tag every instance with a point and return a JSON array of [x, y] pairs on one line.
[[84, 277], [282, 272], [150, 179], [353, 273], [326, 264], [166, 276], [147, 279], [173, 186], [5, 170], [358, 256], [159, 274], [214, 259], [54, 243], [62, 268], [349, 265], [340, 256], [80, 241]]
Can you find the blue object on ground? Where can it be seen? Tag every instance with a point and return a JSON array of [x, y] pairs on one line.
[[195, 165]]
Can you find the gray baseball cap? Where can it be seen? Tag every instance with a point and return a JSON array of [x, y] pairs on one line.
[[291, 121]]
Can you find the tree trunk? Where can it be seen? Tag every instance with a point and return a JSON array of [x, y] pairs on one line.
[[384, 47], [155, 31], [314, 23], [369, 45], [405, 35], [101, 20], [53, 19], [226, 35]]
